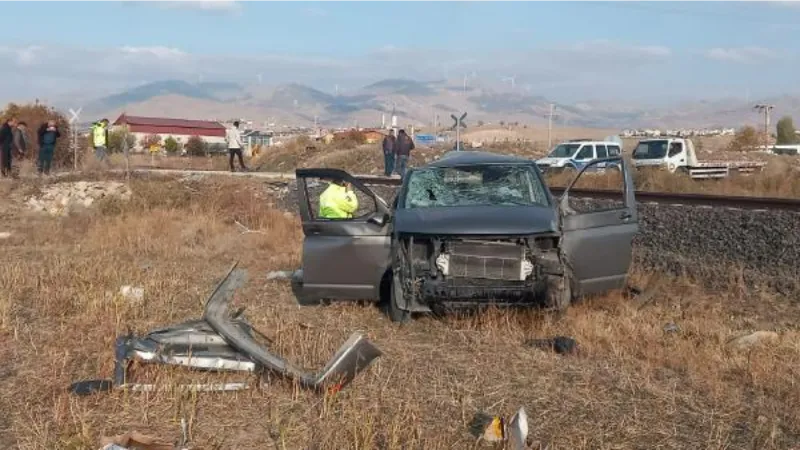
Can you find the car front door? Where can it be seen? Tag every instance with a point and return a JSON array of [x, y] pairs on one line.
[[584, 155], [342, 258], [597, 235]]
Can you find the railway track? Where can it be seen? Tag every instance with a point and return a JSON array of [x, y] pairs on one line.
[[668, 198]]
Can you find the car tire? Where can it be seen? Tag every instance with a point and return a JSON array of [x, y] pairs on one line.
[[395, 313], [559, 292]]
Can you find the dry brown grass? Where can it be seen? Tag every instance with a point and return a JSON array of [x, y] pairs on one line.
[[632, 386]]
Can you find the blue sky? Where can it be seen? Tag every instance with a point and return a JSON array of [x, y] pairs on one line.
[[564, 50]]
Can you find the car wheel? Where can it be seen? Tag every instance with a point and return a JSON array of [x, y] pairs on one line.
[[559, 292], [395, 313]]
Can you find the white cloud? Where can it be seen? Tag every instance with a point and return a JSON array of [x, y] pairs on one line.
[[614, 51], [24, 56], [742, 55], [227, 6], [159, 52]]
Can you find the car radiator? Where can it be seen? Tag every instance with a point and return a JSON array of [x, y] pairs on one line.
[[488, 260]]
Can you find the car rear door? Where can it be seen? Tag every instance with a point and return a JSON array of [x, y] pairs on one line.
[[342, 258], [597, 236]]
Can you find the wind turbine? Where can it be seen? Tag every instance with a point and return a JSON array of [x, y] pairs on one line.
[[260, 78], [512, 79]]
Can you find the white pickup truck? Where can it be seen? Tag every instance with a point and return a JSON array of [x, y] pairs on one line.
[[678, 155]]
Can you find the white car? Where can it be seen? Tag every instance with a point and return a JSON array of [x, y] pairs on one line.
[[578, 153]]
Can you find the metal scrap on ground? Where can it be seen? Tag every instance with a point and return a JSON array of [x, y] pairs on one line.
[[222, 342], [491, 428]]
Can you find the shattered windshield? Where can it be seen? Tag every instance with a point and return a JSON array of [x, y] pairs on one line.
[[650, 150], [564, 151], [479, 185]]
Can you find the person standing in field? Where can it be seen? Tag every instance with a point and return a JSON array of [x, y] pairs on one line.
[[402, 150], [234, 138], [100, 140], [48, 134], [388, 153], [21, 139], [7, 146]]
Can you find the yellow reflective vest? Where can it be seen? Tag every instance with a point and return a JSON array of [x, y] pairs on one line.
[[337, 203], [99, 135]]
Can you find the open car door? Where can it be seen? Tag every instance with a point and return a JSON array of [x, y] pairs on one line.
[[342, 258], [598, 235]]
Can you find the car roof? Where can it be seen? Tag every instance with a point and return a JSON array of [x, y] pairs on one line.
[[466, 158], [586, 141]]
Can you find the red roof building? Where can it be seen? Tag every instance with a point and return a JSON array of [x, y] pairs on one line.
[[156, 125]]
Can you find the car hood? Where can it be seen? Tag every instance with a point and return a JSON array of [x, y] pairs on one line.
[[477, 220], [551, 160]]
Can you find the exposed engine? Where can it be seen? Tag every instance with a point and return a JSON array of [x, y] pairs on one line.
[[510, 270]]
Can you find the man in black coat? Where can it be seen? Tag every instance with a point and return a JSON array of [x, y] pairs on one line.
[[6, 146]]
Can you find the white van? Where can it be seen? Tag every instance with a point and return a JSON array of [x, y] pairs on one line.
[[577, 153]]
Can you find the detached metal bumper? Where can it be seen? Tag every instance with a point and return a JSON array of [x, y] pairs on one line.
[[219, 342], [351, 358]]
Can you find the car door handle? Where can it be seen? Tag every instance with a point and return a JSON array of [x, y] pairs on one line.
[[314, 229]]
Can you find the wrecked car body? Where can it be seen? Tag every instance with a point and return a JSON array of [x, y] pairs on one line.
[[224, 342], [470, 228]]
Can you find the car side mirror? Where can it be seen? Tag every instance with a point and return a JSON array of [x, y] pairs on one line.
[[379, 219]]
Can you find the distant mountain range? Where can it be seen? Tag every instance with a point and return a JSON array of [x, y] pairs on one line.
[[414, 102]]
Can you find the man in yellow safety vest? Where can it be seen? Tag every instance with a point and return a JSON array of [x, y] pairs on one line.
[[338, 201], [100, 139]]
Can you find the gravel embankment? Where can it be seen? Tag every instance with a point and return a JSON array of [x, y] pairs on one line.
[[719, 246]]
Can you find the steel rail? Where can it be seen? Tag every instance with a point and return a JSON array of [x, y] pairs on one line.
[[669, 198]]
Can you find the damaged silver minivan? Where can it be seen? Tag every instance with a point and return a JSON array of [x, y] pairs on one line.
[[471, 228]]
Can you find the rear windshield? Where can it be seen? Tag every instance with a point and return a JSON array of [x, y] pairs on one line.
[[479, 185], [650, 150]]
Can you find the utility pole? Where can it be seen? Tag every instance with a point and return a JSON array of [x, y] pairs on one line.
[[73, 124], [766, 109], [550, 116]]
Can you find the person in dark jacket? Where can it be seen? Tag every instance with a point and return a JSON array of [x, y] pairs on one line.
[[388, 154], [48, 134], [402, 150], [6, 146]]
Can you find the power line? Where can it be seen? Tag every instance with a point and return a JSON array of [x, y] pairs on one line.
[[713, 15]]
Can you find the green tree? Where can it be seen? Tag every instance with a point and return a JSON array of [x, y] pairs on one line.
[[115, 138], [745, 139], [171, 145], [34, 115], [786, 132], [195, 146]]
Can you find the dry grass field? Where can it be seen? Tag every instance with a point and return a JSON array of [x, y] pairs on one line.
[[632, 385]]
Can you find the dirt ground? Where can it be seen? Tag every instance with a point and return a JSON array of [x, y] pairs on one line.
[[634, 384]]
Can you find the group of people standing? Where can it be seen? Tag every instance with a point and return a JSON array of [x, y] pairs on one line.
[[396, 151], [14, 141]]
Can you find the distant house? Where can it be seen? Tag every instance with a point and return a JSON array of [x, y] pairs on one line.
[[254, 138], [179, 129]]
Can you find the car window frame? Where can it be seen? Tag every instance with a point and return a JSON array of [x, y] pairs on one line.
[[580, 150]]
